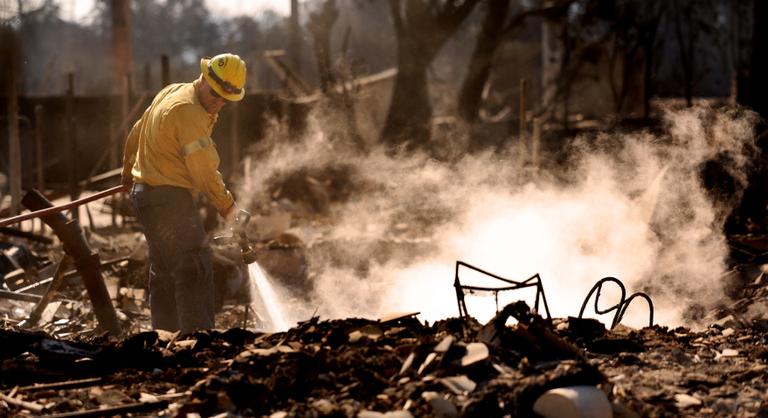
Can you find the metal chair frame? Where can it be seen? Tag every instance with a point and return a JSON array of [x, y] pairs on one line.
[[533, 281]]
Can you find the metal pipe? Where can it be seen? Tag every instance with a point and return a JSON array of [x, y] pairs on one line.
[[56, 209]]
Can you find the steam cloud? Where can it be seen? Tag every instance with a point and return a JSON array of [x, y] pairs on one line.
[[628, 206]]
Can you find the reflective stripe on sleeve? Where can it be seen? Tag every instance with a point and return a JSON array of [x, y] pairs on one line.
[[195, 145]]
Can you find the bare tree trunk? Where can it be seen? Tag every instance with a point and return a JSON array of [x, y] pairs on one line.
[[165, 71], [422, 27], [758, 79], [320, 25], [480, 65], [685, 42], [410, 111], [566, 76], [649, 38], [294, 31]]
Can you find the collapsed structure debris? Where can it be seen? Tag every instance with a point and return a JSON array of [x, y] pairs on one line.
[[399, 367]]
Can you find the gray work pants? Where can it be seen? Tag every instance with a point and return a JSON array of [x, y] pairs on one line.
[[180, 270]]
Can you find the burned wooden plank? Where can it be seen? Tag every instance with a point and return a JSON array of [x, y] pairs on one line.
[[15, 232], [58, 278], [31, 406], [114, 410], [67, 384], [5, 294]]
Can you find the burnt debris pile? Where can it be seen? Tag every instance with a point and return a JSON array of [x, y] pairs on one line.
[[395, 367]]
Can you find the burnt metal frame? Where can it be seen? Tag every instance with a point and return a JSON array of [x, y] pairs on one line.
[[621, 306], [533, 281]]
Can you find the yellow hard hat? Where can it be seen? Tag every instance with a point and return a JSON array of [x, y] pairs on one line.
[[225, 73]]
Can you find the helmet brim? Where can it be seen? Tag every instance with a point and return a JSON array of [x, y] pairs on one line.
[[215, 86]]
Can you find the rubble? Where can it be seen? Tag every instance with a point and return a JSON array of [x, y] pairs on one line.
[[394, 368]]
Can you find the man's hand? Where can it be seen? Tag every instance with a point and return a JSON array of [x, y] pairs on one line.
[[127, 182], [230, 215]]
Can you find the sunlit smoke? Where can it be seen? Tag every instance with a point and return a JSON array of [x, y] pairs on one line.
[[627, 206]]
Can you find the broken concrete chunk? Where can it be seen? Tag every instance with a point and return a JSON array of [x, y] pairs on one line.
[[427, 361], [728, 321], [265, 351], [148, 397], [49, 312], [574, 402], [369, 331], [460, 385], [165, 337], [113, 286], [444, 345], [324, 407], [683, 400], [355, 336], [441, 407], [728, 352], [475, 352], [407, 363], [185, 344]]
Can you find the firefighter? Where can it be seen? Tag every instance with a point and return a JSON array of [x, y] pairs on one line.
[[169, 158]]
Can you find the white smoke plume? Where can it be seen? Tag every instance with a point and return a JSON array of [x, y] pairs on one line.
[[627, 206]]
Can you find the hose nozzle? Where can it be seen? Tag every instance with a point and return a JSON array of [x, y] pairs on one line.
[[239, 237]]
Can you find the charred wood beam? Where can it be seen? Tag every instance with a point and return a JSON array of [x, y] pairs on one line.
[[67, 384], [5, 294], [58, 279], [67, 275], [86, 260], [14, 232]]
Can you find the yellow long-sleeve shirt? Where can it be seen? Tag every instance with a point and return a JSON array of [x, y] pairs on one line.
[[171, 145]]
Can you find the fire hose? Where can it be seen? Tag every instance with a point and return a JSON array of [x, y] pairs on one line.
[[61, 208]]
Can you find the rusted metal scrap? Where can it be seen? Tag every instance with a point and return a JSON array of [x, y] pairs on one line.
[[621, 306], [533, 281]]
